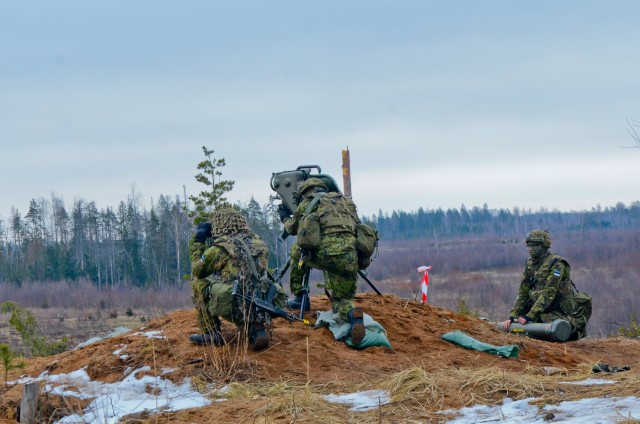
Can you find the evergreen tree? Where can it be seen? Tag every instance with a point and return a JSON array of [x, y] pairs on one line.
[[211, 176]]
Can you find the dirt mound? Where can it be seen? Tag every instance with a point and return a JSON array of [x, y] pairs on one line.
[[298, 353]]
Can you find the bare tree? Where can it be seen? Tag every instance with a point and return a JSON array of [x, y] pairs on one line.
[[634, 126]]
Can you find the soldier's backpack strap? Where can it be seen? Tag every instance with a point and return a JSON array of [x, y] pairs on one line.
[[252, 264], [314, 202]]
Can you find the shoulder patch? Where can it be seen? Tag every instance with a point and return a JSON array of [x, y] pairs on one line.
[[556, 272]]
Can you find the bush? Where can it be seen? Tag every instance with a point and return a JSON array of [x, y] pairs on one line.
[[633, 330], [32, 338], [8, 361]]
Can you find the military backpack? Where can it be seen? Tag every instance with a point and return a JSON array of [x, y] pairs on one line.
[[334, 214], [582, 304]]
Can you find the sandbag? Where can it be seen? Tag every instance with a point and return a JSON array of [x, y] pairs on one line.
[[374, 335], [464, 340]]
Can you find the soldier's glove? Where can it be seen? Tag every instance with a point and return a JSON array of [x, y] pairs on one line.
[[283, 212], [203, 232]]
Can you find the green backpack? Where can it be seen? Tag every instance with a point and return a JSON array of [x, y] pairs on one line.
[[582, 312], [582, 305], [367, 243], [336, 213]]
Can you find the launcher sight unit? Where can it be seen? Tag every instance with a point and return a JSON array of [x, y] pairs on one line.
[[286, 183]]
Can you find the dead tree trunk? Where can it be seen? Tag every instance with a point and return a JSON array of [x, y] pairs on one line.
[[29, 403]]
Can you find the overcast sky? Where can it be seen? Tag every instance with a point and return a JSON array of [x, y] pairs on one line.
[[441, 103]]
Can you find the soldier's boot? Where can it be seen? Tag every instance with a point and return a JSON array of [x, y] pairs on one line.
[[258, 337], [357, 325], [211, 337], [301, 299]]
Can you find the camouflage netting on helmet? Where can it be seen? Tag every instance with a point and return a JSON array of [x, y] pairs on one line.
[[228, 222], [539, 237], [311, 183]]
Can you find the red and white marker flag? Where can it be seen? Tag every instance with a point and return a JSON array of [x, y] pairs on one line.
[[425, 282]]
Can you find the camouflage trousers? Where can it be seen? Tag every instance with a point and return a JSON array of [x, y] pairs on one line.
[[214, 299], [340, 275]]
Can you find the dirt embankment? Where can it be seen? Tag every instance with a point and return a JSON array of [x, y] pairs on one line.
[[298, 354]]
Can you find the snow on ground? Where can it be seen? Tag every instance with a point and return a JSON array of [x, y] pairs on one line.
[[117, 332], [133, 394], [139, 392], [589, 382], [592, 411], [136, 394], [362, 401]]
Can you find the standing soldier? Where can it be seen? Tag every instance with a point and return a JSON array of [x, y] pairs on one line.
[[224, 251], [335, 253]]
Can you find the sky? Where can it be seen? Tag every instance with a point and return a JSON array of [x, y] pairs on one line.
[[440, 103]]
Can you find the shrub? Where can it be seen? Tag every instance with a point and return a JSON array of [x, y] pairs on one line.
[[633, 330], [8, 361], [32, 338]]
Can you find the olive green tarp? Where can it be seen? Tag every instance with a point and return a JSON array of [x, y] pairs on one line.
[[464, 340]]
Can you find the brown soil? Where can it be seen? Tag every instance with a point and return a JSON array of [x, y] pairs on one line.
[[414, 331]]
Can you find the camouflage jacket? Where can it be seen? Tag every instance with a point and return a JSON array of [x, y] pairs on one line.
[[545, 286], [225, 258], [338, 219]]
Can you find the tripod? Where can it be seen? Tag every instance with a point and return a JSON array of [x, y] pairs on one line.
[[305, 282]]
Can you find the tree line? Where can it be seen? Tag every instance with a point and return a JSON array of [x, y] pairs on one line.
[[148, 245], [454, 223], [128, 244]]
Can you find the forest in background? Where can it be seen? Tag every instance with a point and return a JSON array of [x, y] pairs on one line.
[[140, 245], [477, 253]]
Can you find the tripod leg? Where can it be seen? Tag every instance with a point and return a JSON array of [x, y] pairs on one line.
[[305, 292], [363, 275]]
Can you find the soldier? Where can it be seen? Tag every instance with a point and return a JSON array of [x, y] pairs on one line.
[[222, 252], [335, 254], [546, 290]]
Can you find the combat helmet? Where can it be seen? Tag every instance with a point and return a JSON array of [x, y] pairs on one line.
[[539, 237], [228, 222], [310, 183]]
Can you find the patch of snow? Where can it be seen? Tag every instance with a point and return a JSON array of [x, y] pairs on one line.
[[589, 382], [592, 411], [362, 401], [150, 334], [117, 332], [117, 352], [133, 394]]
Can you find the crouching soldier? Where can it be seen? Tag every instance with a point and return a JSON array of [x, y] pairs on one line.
[[224, 253]]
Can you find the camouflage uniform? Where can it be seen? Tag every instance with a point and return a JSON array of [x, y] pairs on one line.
[[546, 287], [336, 256], [216, 266]]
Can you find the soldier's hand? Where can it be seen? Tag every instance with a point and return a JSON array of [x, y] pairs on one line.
[[203, 232], [283, 212], [522, 320], [506, 324]]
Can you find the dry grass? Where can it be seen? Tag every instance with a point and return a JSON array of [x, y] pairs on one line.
[[421, 394], [625, 386], [491, 385]]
